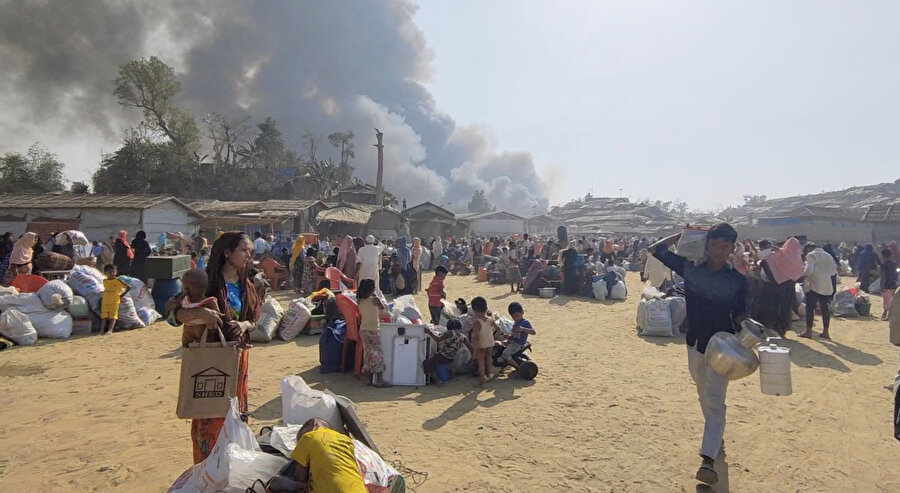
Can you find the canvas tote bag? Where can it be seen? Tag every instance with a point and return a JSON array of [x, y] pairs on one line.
[[209, 378]]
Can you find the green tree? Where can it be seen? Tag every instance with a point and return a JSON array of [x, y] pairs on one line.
[[754, 199], [38, 171], [151, 85], [344, 142], [79, 187], [479, 202], [310, 143]]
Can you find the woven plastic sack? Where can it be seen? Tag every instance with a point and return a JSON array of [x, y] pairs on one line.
[[654, 319], [294, 320], [299, 403], [78, 308], [128, 315], [271, 315]]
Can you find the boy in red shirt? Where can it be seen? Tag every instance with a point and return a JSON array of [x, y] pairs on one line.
[[436, 294]]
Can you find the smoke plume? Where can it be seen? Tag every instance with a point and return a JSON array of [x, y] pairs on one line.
[[313, 66]]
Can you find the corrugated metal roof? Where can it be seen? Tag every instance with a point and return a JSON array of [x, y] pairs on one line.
[[233, 207], [344, 214], [66, 200]]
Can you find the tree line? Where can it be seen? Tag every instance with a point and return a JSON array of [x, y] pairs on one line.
[[162, 154]]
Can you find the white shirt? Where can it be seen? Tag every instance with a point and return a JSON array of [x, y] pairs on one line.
[[261, 246], [369, 258], [819, 268]]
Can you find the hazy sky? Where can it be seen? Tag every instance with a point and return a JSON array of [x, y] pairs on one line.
[[698, 101]]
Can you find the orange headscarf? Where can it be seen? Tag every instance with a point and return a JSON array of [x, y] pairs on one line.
[[123, 236]]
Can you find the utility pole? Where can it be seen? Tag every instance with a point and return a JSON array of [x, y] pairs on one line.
[[379, 181]]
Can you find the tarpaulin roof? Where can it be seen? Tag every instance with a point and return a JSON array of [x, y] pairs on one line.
[[344, 214]]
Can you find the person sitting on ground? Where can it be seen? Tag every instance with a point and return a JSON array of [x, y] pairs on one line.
[[436, 293], [114, 289], [325, 459], [519, 336], [448, 345], [193, 295]]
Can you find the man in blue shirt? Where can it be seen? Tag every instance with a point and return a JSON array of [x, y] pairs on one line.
[[716, 297]]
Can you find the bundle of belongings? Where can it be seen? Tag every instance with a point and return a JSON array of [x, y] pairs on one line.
[[660, 315], [321, 445], [26, 316]]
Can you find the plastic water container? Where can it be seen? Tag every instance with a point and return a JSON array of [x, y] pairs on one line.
[[442, 372], [163, 290], [775, 369]]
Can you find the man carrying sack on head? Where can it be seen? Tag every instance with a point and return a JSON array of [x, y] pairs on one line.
[[716, 296]]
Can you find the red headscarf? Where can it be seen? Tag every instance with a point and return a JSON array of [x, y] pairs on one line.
[[123, 237]]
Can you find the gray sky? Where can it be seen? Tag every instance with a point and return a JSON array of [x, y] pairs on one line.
[[698, 101]]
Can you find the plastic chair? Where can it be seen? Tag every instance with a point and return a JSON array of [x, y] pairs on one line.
[[274, 272], [28, 283], [350, 311], [336, 278], [320, 278]]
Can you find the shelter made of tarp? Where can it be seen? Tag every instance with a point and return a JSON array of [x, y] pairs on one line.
[[344, 214]]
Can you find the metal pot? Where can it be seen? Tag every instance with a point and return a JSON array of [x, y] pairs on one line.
[[752, 333], [729, 358]]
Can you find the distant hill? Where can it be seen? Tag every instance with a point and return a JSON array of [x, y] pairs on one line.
[[849, 201]]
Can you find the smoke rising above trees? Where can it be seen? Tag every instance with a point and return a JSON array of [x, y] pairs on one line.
[[314, 67]]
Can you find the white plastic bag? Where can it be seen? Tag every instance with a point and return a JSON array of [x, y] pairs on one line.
[[15, 326], [212, 474], [692, 244], [78, 308], [294, 320], [55, 295], [52, 324], [506, 325], [654, 319], [246, 466], [406, 306], [299, 403], [378, 475], [268, 321], [599, 290], [284, 438], [618, 292], [875, 287]]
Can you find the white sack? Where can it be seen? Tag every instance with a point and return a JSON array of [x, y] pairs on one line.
[[678, 312], [52, 324], [78, 308], [268, 321], [294, 320], [619, 291], [15, 326], [212, 474], [246, 466], [406, 306], [654, 319], [55, 295], [299, 403]]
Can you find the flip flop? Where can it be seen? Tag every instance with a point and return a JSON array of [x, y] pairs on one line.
[[707, 474], [806, 336], [825, 336]]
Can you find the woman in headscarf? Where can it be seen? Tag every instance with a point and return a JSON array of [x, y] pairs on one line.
[[308, 279], [6, 247], [123, 253], [567, 257], [415, 260], [296, 264], [869, 263], [141, 250], [239, 308], [20, 258], [534, 278], [346, 260]]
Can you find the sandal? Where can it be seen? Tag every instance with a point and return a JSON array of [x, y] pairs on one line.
[[707, 474], [383, 385]]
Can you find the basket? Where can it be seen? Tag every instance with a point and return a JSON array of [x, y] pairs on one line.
[[864, 309]]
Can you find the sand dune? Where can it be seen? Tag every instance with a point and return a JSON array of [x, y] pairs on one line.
[[609, 411]]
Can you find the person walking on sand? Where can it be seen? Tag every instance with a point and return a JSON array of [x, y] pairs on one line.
[[716, 296], [819, 270]]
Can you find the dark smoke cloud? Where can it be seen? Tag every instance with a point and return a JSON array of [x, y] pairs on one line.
[[316, 66]]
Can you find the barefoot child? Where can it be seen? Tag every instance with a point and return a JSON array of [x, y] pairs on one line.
[[519, 336], [113, 291], [193, 295], [482, 338], [436, 293], [370, 309]]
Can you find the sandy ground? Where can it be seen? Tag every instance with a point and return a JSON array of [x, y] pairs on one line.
[[609, 411]]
